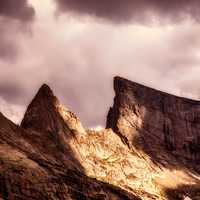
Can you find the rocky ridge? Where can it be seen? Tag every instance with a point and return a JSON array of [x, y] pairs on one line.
[[146, 118], [144, 153]]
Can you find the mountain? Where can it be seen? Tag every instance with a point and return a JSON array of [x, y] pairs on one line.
[[149, 119], [149, 150]]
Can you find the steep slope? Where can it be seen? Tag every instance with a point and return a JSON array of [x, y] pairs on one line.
[[51, 155], [108, 159], [37, 162], [163, 130], [55, 125], [148, 119], [46, 114]]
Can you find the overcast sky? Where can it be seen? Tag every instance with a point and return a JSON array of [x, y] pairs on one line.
[[77, 47]]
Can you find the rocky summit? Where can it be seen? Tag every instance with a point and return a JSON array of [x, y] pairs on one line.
[[150, 149], [146, 118]]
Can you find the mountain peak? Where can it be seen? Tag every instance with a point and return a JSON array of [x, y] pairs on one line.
[[46, 114], [44, 87], [143, 116], [45, 91], [56, 152], [41, 113]]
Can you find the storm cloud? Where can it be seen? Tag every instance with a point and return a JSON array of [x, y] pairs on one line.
[[15, 17], [78, 58], [139, 11], [18, 10]]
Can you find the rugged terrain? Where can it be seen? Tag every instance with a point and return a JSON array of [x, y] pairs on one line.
[[150, 149]]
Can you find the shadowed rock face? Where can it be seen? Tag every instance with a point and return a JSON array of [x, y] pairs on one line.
[[51, 156], [46, 114], [37, 160], [42, 114], [151, 119]]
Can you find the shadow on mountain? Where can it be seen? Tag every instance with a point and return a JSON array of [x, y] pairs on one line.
[[62, 175], [47, 129], [38, 162], [184, 192], [165, 127], [169, 137]]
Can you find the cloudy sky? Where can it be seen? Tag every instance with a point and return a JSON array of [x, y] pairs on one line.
[[77, 47]]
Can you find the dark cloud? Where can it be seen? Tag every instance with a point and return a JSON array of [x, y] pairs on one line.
[[16, 9], [12, 11], [141, 11]]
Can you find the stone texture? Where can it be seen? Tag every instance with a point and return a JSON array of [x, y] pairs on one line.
[[150, 119], [37, 160], [52, 156]]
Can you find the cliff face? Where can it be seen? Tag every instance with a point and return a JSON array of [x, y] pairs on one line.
[[37, 160], [51, 156], [46, 114], [150, 119]]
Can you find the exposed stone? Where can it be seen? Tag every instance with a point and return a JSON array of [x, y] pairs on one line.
[[148, 118], [37, 160], [51, 155]]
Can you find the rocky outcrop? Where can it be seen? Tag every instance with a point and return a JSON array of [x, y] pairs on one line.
[[150, 119], [55, 125], [51, 156], [46, 114], [37, 160]]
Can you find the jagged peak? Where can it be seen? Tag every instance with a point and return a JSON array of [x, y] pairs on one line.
[[142, 115], [121, 84], [46, 114], [45, 93], [45, 90], [41, 111]]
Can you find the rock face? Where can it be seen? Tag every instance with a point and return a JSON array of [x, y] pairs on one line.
[[46, 114], [37, 160], [51, 156], [149, 119]]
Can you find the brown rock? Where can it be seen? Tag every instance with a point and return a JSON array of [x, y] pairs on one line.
[[151, 119], [51, 155], [37, 161]]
